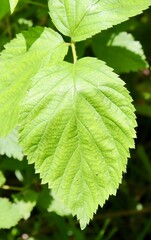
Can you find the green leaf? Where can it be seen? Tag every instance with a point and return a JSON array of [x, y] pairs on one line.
[[2, 179], [13, 4], [82, 19], [9, 215], [9, 145], [25, 203], [4, 8], [77, 125], [12, 213], [120, 51], [20, 61]]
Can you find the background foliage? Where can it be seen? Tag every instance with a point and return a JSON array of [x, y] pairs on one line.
[[125, 216]]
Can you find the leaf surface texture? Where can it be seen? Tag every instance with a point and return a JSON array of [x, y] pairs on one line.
[[82, 19], [77, 125], [23, 57]]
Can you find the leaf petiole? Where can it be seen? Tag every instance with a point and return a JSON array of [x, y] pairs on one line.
[[13, 188], [74, 52]]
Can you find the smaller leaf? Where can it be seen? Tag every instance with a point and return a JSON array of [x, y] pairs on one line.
[[2, 179], [13, 4], [120, 51], [9, 145], [83, 19], [9, 214], [26, 203]]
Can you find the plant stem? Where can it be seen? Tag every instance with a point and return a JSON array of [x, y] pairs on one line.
[[6, 187], [74, 52]]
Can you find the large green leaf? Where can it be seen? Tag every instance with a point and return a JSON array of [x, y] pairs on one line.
[[120, 51], [82, 19], [20, 60], [77, 125]]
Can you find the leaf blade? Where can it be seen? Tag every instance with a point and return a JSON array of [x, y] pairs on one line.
[[23, 57], [81, 20], [9, 215], [25, 203], [120, 51], [75, 141]]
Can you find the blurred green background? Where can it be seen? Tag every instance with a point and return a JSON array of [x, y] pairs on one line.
[[124, 216]]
